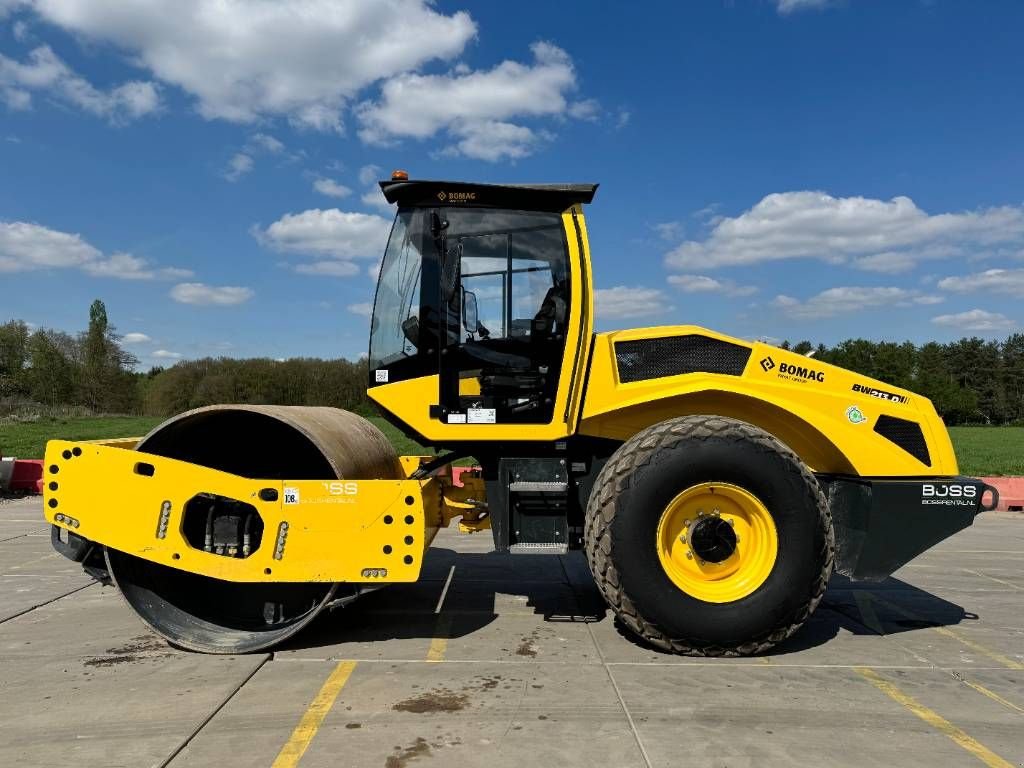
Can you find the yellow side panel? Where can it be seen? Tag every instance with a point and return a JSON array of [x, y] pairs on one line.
[[809, 412], [334, 530]]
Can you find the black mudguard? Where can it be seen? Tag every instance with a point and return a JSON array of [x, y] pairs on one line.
[[881, 524]]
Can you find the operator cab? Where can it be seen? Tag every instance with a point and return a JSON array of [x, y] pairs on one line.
[[476, 288]]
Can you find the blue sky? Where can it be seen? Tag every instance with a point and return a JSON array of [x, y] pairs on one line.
[[768, 168]]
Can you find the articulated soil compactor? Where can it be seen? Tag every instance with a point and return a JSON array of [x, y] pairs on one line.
[[714, 483]]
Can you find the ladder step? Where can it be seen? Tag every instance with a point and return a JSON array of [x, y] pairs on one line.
[[543, 486], [542, 548]]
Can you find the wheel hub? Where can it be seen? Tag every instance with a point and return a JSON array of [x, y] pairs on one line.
[[717, 542], [712, 539]]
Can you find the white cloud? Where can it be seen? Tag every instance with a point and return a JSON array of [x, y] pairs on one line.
[[374, 198], [124, 266], [1006, 281], [331, 188], [25, 246], [202, 294], [6, 6], [976, 320], [790, 6], [492, 141], [363, 309], [165, 354], [267, 143], [846, 299], [708, 212], [45, 72], [135, 338], [302, 59], [474, 107], [243, 161], [885, 236], [328, 268], [587, 109], [369, 174], [704, 284], [628, 302], [669, 230], [623, 118], [239, 165], [333, 237]]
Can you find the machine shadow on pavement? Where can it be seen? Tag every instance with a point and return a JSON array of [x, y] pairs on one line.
[[561, 589]]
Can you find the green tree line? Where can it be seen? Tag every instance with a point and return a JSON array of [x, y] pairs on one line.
[[970, 381]]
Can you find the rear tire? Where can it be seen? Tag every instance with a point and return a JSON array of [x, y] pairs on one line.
[[637, 489]]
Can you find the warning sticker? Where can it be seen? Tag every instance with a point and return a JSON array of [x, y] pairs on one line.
[[380, 376], [456, 418], [291, 495], [481, 415]]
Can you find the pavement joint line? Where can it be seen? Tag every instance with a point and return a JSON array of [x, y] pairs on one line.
[[444, 592], [880, 630], [990, 694], [993, 578], [195, 731], [47, 602], [12, 538], [956, 675], [313, 717], [1006, 661], [607, 669], [934, 719]]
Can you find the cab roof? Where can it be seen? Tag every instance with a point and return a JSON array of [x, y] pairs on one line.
[[527, 197]]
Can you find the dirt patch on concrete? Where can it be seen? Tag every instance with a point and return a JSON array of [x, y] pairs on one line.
[[141, 648], [420, 748], [437, 700]]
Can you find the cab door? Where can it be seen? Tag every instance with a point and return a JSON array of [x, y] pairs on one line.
[[509, 292]]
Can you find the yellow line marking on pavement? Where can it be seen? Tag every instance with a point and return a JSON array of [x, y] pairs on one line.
[[993, 578], [992, 695], [443, 626], [439, 644], [304, 732], [867, 611], [1006, 661], [934, 719]]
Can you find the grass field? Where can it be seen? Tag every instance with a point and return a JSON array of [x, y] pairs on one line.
[[981, 451], [985, 451]]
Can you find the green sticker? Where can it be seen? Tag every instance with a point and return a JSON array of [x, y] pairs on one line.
[[855, 415]]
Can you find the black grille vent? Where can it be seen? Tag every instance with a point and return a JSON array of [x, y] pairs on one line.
[[906, 434], [674, 355]]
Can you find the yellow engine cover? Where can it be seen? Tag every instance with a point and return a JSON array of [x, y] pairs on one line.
[[828, 415]]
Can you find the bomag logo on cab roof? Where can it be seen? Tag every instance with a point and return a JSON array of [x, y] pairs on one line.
[[456, 197]]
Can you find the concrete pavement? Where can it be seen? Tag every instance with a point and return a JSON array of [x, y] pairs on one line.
[[495, 660]]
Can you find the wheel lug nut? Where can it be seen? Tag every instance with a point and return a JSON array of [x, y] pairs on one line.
[[689, 555]]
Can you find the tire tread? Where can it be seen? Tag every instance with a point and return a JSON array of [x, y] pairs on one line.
[[616, 477]]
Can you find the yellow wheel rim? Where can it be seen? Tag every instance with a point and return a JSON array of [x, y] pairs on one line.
[[717, 542]]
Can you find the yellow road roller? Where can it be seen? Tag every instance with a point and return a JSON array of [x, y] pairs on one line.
[[714, 483]]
